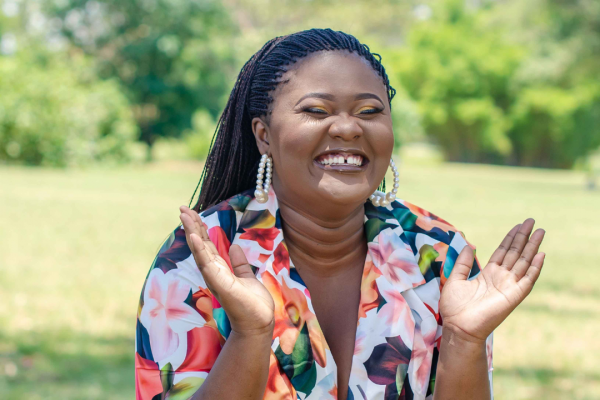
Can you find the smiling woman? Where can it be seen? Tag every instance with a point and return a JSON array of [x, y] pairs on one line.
[[319, 286]]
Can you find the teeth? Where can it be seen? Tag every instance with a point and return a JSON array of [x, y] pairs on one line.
[[339, 160]]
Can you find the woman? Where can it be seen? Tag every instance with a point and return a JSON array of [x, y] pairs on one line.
[[350, 305]]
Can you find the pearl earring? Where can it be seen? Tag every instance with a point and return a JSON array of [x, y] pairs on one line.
[[262, 191], [380, 199]]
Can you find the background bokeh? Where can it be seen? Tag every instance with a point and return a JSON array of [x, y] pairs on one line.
[[107, 109]]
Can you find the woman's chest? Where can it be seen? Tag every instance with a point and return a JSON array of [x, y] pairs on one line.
[[336, 308]]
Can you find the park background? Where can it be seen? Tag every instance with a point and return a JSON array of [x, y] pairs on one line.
[[107, 109]]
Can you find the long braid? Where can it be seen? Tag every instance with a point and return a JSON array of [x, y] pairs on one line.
[[233, 156]]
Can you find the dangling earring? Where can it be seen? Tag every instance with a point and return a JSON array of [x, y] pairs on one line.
[[262, 191], [381, 199]]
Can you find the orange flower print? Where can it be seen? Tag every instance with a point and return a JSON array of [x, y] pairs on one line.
[[291, 313], [279, 386], [369, 294]]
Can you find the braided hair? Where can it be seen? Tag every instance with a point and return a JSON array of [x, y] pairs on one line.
[[233, 157]]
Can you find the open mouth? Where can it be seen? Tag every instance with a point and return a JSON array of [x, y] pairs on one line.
[[342, 161]]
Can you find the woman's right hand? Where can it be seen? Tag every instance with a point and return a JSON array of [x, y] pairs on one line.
[[247, 303]]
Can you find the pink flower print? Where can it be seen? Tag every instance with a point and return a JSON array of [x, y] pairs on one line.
[[420, 364], [395, 316], [165, 315], [395, 262]]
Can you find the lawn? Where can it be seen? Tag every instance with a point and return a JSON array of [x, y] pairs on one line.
[[76, 246]]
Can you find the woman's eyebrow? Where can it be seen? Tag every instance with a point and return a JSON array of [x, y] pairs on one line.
[[318, 95], [327, 96], [363, 96]]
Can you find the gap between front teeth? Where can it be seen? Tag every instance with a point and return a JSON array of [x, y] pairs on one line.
[[339, 160]]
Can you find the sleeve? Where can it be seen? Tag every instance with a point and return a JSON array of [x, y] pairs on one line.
[[456, 243], [177, 335]]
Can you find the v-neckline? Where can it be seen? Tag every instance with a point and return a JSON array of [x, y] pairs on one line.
[[332, 364]]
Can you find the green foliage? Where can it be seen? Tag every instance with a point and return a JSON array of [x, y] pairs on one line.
[[54, 112], [459, 74], [171, 56], [198, 139], [486, 97], [554, 127]]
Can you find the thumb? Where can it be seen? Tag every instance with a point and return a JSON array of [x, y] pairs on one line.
[[239, 262], [462, 265]]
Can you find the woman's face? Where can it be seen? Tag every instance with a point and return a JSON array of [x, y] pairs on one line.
[[330, 131]]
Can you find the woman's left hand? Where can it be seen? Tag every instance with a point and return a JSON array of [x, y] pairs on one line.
[[472, 309]]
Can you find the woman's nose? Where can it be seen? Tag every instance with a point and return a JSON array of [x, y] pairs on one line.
[[345, 127]]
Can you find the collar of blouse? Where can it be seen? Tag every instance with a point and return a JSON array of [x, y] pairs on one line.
[[410, 254]]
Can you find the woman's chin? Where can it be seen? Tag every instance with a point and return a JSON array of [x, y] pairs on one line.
[[344, 196]]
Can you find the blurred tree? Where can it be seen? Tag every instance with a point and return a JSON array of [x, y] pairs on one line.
[[54, 111], [459, 73], [171, 56], [555, 119], [489, 95], [555, 127]]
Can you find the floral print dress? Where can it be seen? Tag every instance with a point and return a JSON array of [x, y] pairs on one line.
[[181, 327]]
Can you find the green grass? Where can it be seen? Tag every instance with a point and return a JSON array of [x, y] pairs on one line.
[[76, 246]]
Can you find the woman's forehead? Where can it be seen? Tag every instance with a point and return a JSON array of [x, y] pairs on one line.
[[335, 72]]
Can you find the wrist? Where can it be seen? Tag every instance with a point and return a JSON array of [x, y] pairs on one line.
[[456, 337], [262, 333]]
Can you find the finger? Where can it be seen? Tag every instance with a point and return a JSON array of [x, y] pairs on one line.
[[518, 243], [194, 217], [500, 252], [203, 256], [216, 272], [531, 249], [463, 264], [192, 226], [198, 227], [206, 238], [532, 274], [239, 263], [191, 229], [188, 227]]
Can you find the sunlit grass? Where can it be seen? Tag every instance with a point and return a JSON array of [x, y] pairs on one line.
[[76, 246]]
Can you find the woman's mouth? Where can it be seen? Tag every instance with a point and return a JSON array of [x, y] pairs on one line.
[[342, 162]]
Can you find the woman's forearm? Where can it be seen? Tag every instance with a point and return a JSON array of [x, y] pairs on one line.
[[462, 370], [241, 370]]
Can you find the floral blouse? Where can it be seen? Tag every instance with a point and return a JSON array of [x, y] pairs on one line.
[[181, 327]]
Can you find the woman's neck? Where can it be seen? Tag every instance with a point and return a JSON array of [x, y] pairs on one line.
[[324, 248]]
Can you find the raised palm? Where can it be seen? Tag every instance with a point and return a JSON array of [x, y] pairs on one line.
[[246, 301], [474, 308]]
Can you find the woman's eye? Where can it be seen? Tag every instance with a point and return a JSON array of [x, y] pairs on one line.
[[315, 110], [371, 111]]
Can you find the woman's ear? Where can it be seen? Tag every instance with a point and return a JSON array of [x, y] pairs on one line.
[[261, 134]]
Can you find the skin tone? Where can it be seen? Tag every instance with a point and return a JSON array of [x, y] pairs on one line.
[[316, 113]]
